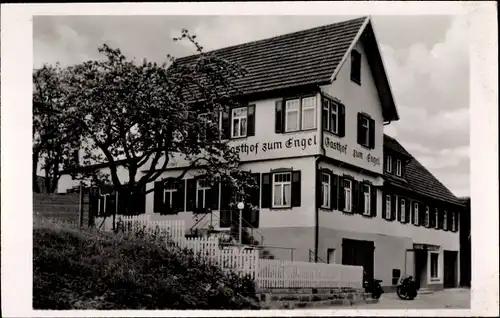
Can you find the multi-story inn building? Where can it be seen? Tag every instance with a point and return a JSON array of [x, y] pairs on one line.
[[332, 186]]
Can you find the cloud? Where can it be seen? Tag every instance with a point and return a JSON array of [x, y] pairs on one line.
[[431, 88]]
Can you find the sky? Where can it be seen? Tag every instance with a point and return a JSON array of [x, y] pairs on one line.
[[426, 59]]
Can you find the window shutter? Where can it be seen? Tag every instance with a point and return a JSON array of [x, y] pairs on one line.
[[212, 199], [226, 124], [191, 194], [358, 197], [111, 203], [432, 217], [255, 193], [359, 128], [279, 117], [384, 205], [158, 197], [341, 112], [372, 134], [296, 188], [334, 188], [373, 201], [341, 194], [408, 209], [178, 196], [225, 211], [251, 121], [122, 198], [266, 190], [394, 204], [319, 187], [141, 200]]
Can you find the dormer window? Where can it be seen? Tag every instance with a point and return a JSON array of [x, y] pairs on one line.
[[366, 131], [388, 164], [398, 168], [239, 122], [356, 67]]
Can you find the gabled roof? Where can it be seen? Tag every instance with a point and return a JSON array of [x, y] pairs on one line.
[[420, 180], [393, 144], [309, 57]]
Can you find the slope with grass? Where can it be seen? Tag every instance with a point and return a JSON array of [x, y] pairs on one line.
[[75, 269]]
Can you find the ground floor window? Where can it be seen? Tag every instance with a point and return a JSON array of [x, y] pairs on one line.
[[325, 190], [348, 195], [366, 196], [434, 265], [202, 187], [282, 190], [388, 207]]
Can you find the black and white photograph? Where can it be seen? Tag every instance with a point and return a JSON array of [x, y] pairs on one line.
[[265, 162]]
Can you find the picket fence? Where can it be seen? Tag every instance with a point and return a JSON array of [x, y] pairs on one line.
[[268, 273]]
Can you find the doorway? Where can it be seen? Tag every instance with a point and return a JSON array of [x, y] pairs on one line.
[[360, 253], [420, 267], [449, 269]]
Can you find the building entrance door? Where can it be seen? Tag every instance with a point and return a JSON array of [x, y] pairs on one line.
[[361, 253], [420, 268], [449, 269]]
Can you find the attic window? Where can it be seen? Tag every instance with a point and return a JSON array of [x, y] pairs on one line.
[[356, 67]]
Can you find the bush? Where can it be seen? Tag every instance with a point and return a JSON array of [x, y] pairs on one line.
[[75, 269]]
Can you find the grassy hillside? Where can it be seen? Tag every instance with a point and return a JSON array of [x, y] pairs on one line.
[[75, 269]]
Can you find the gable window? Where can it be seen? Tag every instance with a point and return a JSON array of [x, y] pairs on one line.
[[356, 66], [366, 196], [348, 195], [398, 167], [366, 131], [308, 113], [445, 220], [239, 122], [202, 188], [388, 164], [403, 211], [427, 220], [415, 214], [388, 207], [168, 194], [282, 190], [325, 190]]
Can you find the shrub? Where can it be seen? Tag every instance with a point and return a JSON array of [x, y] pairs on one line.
[[75, 269]]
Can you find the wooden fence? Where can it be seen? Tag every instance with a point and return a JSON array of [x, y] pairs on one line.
[[266, 272]]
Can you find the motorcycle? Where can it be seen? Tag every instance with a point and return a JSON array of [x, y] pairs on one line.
[[407, 289], [373, 287]]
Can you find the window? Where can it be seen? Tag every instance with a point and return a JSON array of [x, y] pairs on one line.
[[325, 190], [202, 187], [366, 195], [326, 114], [388, 164], [282, 186], [453, 224], [388, 206], [356, 66], [239, 122], [436, 216], [168, 194], [364, 131], [403, 211], [292, 110], [427, 217], [348, 195], [398, 168], [330, 256], [445, 221], [331, 116], [396, 206], [309, 113], [434, 265], [210, 122], [415, 214]]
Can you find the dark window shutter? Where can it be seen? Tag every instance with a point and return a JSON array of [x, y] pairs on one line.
[[341, 110], [279, 117], [384, 205], [111, 203], [341, 194], [373, 201], [251, 121], [359, 128], [191, 195], [319, 188], [141, 200], [213, 197], [394, 203], [409, 211], [225, 211], [296, 188], [266, 190], [158, 197], [372, 134], [432, 216], [178, 196], [255, 200], [325, 114], [334, 187], [122, 201]]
